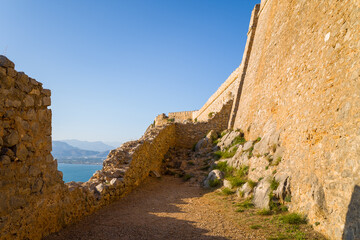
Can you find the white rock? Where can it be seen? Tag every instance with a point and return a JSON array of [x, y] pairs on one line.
[[227, 184], [247, 145], [214, 174], [100, 187], [261, 194]]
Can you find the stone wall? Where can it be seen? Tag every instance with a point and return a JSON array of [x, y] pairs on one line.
[[189, 134], [223, 95], [28, 172], [302, 83], [181, 116]]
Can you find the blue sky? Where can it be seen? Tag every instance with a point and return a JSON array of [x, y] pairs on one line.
[[113, 66]]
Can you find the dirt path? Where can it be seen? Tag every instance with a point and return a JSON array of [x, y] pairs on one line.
[[159, 209], [168, 208]]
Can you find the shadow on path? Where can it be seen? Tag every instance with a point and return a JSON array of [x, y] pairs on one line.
[[133, 217]]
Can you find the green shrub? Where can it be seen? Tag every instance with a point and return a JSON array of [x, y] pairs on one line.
[[284, 208], [258, 140], [287, 198], [238, 140], [211, 114], [223, 133], [274, 184], [225, 154], [236, 181], [277, 162], [214, 183], [195, 120], [242, 171], [246, 204], [293, 218], [252, 184], [239, 210], [171, 119], [222, 166], [227, 191], [264, 212], [255, 226]]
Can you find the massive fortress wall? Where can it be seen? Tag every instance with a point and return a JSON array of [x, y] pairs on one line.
[[301, 81], [303, 78]]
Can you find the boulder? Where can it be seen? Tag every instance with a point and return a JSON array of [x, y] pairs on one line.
[[246, 190], [261, 194], [227, 139], [213, 175], [247, 146]]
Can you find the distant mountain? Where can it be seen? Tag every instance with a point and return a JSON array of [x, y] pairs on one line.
[[113, 144], [65, 153], [91, 146]]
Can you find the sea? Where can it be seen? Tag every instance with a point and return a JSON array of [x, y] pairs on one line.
[[77, 172]]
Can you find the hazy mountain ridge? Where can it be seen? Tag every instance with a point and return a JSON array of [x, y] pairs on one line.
[[87, 145], [67, 153]]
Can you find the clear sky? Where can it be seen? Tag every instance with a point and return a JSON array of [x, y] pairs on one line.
[[113, 66]]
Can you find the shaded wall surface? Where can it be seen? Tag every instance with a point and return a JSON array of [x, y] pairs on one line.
[[303, 78]]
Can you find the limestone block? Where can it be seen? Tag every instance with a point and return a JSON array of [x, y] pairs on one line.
[[21, 152], [46, 101], [261, 194], [28, 101], [11, 139]]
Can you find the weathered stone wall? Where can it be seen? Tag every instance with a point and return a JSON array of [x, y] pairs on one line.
[[223, 95], [28, 172], [302, 83], [189, 134], [181, 116]]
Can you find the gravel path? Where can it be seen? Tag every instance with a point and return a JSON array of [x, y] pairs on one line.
[[159, 209]]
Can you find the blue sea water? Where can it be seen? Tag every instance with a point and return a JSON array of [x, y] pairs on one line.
[[77, 172]]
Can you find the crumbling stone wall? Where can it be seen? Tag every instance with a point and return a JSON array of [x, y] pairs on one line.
[[189, 134], [28, 172], [181, 116]]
